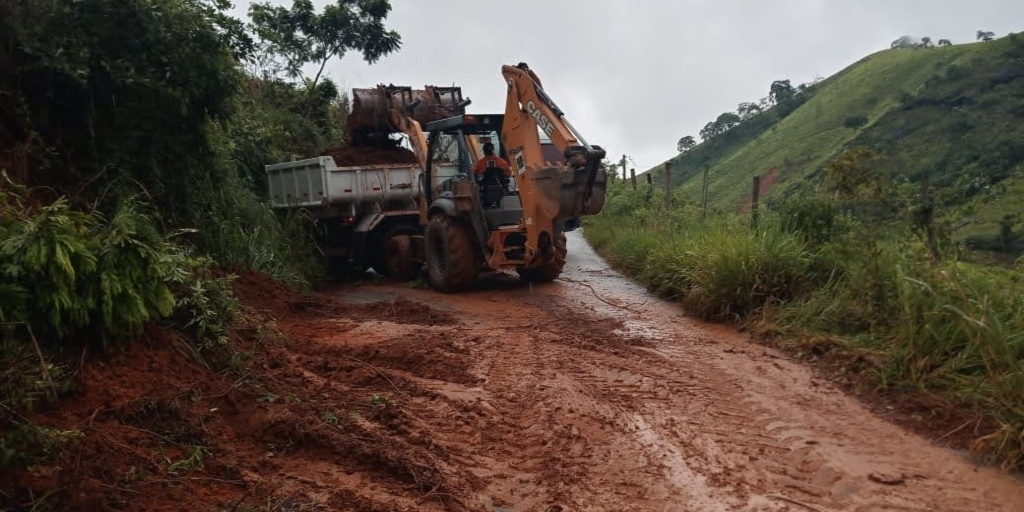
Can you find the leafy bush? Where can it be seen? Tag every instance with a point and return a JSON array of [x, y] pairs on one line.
[[109, 278], [104, 279]]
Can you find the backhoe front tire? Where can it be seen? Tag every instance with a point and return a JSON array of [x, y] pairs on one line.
[[549, 271], [451, 259]]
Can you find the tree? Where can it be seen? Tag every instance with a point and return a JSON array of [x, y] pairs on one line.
[[301, 36], [781, 90], [725, 122], [945, 42], [107, 118], [985, 36], [685, 144], [906, 42], [748, 110], [926, 42]]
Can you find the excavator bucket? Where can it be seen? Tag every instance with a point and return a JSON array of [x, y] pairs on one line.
[[575, 189], [372, 108]]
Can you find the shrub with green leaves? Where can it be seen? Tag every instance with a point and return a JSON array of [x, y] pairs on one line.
[[66, 274], [85, 274]]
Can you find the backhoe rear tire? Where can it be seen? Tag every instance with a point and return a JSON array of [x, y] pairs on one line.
[[549, 271], [451, 259]]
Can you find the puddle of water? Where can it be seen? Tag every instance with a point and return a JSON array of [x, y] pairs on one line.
[[366, 296]]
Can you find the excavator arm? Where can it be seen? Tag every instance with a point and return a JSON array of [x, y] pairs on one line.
[[529, 109], [551, 192]]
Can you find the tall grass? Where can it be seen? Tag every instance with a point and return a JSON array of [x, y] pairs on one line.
[[953, 329], [719, 269], [236, 227]]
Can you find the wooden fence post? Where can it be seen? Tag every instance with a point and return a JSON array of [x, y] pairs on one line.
[[632, 177]]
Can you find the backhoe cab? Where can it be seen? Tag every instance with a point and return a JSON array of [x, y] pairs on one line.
[[493, 223]]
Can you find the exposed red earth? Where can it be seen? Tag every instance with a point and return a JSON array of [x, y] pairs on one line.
[[583, 394]]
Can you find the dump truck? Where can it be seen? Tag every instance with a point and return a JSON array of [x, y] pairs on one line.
[[360, 207]]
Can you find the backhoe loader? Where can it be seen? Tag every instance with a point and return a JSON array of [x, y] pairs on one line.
[[488, 224], [459, 224]]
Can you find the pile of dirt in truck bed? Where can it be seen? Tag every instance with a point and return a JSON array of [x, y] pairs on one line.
[[297, 412], [370, 155]]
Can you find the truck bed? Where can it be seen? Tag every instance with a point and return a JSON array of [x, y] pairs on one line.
[[320, 182]]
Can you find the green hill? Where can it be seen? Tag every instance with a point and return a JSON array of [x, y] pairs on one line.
[[955, 114]]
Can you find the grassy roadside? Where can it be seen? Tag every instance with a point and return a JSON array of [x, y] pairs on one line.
[[866, 296]]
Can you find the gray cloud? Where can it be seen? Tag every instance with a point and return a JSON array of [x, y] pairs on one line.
[[635, 75]]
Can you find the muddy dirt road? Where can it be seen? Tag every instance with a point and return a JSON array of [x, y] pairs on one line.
[[561, 400], [585, 394]]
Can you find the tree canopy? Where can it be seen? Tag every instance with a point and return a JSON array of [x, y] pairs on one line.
[[685, 144], [780, 91], [300, 36], [724, 122]]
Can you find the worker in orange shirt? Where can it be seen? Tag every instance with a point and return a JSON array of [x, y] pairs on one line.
[[490, 161]]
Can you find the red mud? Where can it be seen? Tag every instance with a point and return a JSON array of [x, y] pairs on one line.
[[369, 155], [542, 398], [266, 424]]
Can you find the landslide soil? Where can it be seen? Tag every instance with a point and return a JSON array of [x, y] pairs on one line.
[[583, 394], [370, 154]]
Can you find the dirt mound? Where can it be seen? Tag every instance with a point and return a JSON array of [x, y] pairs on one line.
[[288, 424], [370, 155]]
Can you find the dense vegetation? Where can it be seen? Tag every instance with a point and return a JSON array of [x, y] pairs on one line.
[[949, 115], [133, 135]]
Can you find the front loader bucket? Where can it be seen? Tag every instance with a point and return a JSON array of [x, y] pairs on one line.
[[371, 108]]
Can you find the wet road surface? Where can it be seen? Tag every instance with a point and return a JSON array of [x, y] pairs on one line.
[[590, 394]]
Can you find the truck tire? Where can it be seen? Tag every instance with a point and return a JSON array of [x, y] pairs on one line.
[[396, 259], [451, 259], [549, 271]]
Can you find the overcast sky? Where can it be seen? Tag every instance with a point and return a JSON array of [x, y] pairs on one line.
[[633, 76]]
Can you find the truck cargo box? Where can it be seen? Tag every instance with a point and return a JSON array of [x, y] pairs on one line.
[[320, 182]]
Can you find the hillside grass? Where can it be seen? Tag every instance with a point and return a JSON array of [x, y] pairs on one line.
[[953, 114], [866, 295]]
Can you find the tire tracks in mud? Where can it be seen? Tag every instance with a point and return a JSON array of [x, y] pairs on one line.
[[583, 406]]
